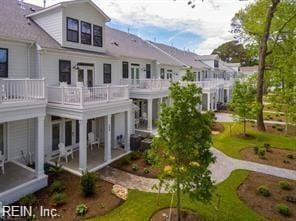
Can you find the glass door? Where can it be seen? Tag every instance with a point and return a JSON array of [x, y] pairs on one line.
[[2, 139], [56, 136], [90, 80], [86, 76], [135, 74], [68, 133]]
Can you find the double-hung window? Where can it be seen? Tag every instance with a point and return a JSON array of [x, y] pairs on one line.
[[124, 69], [97, 36], [85, 33], [3, 63], [107, 74], [148, 71], [72, 30], [65, 71]]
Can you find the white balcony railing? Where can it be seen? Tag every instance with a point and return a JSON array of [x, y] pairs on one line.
[[147, 84], [81, 96], [14, 90]]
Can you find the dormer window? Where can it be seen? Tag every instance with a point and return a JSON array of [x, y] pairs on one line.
[[98, 36], [72, 30], [85, 33]]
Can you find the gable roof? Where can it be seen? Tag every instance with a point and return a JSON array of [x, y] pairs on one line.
[[15, 25], [123, 44], [186, 57], [74, 2]]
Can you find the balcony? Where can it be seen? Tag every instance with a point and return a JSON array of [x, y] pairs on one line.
[[86, 96], [13, 91], [147, 84]]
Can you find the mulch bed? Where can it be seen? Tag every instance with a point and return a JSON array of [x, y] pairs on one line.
[[217, 128], [101, 203], [266, 206], [141, 164], [276, 128], [161, 215], [274, 157]]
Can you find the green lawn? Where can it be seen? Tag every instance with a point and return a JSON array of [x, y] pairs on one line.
[[231, 145], [140, 205]]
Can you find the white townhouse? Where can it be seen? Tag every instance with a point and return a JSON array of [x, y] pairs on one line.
[[148, 72], [60, 92], [214, 76]]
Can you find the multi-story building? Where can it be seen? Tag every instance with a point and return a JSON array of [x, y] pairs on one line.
[[68, 81]]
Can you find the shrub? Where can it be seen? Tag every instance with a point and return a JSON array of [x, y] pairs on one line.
[[273, 126], [283, 209], [28, 200], [135, 155], [58, 199], [126, 160], [88, 183], [261, 152], [146, 170], [256, 149], [280, 129], [263, 191], [290, 156], [55, 170], [285, 185], [267, 146], [149, 157], [57, 186], [81, 209], [286, 161], [135, 167]]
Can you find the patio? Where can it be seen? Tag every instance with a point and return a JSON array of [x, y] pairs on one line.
[[15, 175], [95, 159]]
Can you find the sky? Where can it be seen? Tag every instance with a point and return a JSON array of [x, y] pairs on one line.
[[173, 22]]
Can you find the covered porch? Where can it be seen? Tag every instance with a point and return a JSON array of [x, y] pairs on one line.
[[95, 138]]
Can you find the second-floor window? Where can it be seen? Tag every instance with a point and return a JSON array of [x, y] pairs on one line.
[[65, 71], [148, 71], [85, 33], [98, 36], [107, 74], [3, 63], [216, 64], [162, 73], [124, 69], [72, 30]]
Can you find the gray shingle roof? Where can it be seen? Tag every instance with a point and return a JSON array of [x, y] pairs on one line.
[[188, 58], [14, 24], [121, 43]]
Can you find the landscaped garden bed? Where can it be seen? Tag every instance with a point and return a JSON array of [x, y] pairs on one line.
[[65, 195], [271, 156], [267, 196], [136, 163], [217, 128]]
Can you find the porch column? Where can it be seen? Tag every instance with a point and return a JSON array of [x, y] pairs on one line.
[[107, 154], [228, 95], [82, 145], [39, 148], [209, 101], [127, 130], [150, 102]]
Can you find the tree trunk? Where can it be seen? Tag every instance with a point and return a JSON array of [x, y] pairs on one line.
[[178, 200], [245, 127], [262, 63]]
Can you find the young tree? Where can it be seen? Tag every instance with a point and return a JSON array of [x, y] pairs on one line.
[[189, 75], [182, 148], [243, 101]]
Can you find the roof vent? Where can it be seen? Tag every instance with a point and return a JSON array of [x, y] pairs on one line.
[[21, 4], [114, 43], [134, 40], [32, 9]]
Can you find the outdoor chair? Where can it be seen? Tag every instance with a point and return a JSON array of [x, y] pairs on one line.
[[65, 152], [2, 162], [92, 140]]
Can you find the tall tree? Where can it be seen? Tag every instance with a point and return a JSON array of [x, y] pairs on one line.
[[263, 25], [183, 145]]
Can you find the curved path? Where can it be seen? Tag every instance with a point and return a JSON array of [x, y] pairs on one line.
[[221, 170]]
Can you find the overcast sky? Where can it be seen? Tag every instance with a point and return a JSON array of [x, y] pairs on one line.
[[200, 29]]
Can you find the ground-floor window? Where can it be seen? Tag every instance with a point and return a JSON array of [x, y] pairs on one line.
[[2, 138]]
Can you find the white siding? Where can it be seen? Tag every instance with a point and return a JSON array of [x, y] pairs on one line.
[[18, 54], [51, 22], [20, 136]]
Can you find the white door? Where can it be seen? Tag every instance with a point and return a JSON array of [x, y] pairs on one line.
[[86, 76], [2, 139], [135, 74], [56, 134]]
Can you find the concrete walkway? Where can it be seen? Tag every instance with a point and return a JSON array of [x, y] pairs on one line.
[[220, 172]]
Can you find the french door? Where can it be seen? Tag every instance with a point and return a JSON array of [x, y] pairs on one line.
[[86, 76], [135, 74], [56, 135]]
